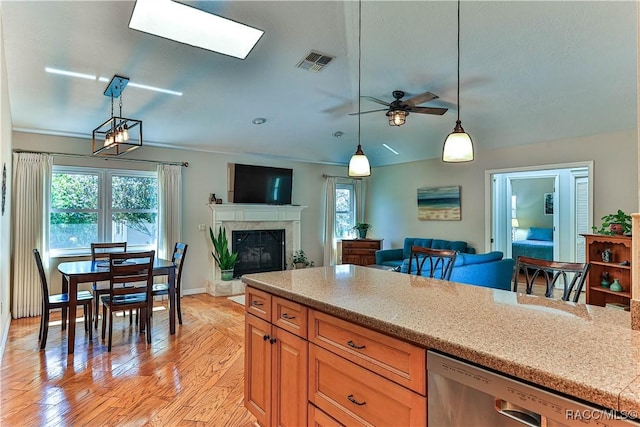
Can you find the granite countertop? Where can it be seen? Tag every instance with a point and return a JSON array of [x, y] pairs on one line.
[[581, 350]]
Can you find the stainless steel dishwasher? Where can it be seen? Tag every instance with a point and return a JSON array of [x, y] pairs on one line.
[[464, 395]]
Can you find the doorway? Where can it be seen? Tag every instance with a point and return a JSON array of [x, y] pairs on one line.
[[539, 211]]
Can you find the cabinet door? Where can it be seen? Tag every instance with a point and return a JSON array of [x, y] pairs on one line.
[[257, 368], [289, 379]]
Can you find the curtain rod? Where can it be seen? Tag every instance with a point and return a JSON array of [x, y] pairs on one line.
[[324, 175], [185, 164]]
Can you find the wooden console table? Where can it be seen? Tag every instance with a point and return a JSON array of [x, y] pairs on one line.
[[360, 251]]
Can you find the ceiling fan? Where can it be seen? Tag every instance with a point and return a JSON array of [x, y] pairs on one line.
[[398, 110]]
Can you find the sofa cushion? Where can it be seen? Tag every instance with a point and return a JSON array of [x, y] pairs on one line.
[[466, 259], [537, 233]]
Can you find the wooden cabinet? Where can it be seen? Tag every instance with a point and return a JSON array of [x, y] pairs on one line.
[[275, 360], [308, 368], [360, 251], [618, 267], [362, 377]]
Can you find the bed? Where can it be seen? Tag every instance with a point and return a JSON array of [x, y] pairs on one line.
[[538, 244]]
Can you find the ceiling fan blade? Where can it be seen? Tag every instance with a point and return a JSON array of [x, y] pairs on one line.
[[379, 101], [419, 99], [365, 112], [427, 110]]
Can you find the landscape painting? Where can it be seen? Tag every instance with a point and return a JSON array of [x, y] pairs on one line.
[[439, 203]]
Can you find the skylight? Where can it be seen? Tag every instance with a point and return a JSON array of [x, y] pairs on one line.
[[185, 24]]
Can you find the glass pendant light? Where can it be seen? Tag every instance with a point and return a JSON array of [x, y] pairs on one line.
[[458, 146], [359, 164]]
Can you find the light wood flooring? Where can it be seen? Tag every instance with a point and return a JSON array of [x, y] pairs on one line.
[[193, 378]]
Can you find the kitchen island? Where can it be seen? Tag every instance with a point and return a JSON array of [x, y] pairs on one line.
[[582, 351]]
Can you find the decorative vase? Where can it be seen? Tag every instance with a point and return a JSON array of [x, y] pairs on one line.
[[299, 265], [362, 233], [606, 255], [616, 228], [616, 286], [226, 274]]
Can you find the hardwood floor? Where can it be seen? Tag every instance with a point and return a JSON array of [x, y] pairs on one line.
[[193, 378]]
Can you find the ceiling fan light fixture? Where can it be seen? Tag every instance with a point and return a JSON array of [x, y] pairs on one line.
[[397, 117], [359, 164], [458, 147]]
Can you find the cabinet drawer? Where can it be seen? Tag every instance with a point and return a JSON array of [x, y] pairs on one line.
[[361, 244], [355, 396], [358, 251], [258, 303], [317, 418], [290, 316], [392, 358]]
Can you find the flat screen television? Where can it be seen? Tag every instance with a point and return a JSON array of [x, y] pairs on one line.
[[261, 184]]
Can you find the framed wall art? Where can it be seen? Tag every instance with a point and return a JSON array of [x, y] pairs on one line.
[[439, 203]]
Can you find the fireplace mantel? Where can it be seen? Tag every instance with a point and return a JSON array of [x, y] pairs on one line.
[[253, 217]]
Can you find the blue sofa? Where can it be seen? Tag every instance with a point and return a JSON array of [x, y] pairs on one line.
[[394, 257], [489, 270]]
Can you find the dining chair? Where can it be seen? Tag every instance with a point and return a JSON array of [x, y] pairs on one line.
[[59, 301], [441, 262], [549, 274], [179, 255], [129, 268], [100, 252]]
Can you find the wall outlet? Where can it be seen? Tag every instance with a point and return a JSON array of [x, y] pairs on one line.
[[201, 227]]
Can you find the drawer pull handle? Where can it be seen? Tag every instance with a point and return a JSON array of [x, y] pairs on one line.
[[265, 337], [272, 340], [354, 345], [288, 316], [256, 303], [353, 400]]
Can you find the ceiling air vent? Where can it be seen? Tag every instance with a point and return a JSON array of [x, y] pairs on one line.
[[314, 61]]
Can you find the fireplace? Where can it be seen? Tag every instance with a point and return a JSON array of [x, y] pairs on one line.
[[240, 217], [258, 251]]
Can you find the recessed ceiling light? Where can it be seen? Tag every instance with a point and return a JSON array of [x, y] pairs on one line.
[[69, 73], [258, 121], [185, 24], [390, 149], [338, 134]]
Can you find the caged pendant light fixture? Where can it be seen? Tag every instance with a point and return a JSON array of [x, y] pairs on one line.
[[118, 135], [458, 146], [359, 164]]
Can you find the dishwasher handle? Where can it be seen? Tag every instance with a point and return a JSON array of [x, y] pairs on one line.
[[518, 413]]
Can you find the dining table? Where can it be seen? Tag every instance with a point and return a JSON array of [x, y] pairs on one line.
[[75, 272]]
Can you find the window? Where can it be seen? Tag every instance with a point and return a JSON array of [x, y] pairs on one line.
[[102, 205], [345, 210]]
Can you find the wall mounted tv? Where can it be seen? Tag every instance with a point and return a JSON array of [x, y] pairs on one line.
[[260, 184]]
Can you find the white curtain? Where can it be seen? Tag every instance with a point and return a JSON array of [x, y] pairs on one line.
[[330, 249], [169, 209], [31, 189], [358, 185]]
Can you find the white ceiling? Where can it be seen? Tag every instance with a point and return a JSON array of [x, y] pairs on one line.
[[530, 72]]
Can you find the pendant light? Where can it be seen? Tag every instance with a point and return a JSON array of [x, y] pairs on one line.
[[359, 164], [458, 146]]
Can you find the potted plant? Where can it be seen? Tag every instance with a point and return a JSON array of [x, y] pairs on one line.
[[617, 223], [299, 260], [223, 256], [362, 228]]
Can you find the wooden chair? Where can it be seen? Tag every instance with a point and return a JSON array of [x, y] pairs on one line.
[[179, 254], [549, 274], [441, 261], [100, 252], [129, 268], [50, 302]]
